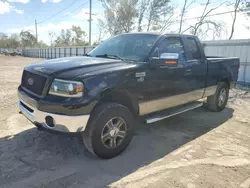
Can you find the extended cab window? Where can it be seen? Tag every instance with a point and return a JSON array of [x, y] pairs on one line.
[[171, 45], [193, 49]]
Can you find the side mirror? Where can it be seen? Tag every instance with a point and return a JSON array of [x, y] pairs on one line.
[[165, 59]]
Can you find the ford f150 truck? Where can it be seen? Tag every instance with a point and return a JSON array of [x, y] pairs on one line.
[[99, 95]]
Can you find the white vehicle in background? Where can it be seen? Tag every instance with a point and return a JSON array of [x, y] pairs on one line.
[[19, 52]]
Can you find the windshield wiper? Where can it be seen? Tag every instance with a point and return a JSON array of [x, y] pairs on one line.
[[110, 56]]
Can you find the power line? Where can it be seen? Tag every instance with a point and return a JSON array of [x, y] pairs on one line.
[[220, 13], [58, 12]]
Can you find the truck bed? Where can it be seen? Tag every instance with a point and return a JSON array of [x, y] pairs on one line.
[[224, 66]]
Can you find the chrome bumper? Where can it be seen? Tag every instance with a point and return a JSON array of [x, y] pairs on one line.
[[62, 123]]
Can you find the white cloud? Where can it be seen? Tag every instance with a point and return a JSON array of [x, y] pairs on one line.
[[44, 29], [52, 1], [56, 1], [18, 1], [5, 7], [18, 11]]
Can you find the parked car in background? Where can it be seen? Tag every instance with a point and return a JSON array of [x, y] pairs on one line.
[[99, 96], [18, 52], [6, 52]]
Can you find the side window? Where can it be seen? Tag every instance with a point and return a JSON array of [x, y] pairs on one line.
[[172, 45], [193, 49]]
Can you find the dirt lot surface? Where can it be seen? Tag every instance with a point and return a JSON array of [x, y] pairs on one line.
[[194, 149]]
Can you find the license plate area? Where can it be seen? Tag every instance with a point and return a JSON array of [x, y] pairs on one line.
[[27, 100]]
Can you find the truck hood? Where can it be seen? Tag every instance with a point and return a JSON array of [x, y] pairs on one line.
[[71, 67]]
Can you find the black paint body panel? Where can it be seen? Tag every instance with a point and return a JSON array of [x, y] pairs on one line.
[[102, 75]]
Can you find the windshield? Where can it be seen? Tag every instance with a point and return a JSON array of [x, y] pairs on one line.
[[134, 47]]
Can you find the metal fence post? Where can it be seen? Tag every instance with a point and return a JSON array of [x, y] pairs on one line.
[[59, 52], [70, 52], [64, 52], [76, 51]]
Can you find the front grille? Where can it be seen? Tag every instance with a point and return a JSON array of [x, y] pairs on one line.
[[33, 82]]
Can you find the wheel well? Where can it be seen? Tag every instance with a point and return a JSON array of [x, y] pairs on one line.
[[226, 80], [121, 97]]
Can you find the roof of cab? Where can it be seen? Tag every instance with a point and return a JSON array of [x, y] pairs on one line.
[[144, 33], [158, 33]]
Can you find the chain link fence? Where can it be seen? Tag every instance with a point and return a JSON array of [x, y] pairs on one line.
[[51, 53]]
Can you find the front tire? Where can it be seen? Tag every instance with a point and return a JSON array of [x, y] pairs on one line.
[[218, 101], [109, 130]]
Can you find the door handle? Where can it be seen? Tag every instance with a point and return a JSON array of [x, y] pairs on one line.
[[188, 72]]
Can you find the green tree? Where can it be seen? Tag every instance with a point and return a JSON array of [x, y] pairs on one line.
[[124, 16], [27, 39], [14, 41], [119, 16], [157, 10], [71, 37], [3, 40], [58, 42], [41, 44], [64, 39], [78, 35], [68, 36]]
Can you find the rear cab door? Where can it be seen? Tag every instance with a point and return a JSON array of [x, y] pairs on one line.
[[195, 65]]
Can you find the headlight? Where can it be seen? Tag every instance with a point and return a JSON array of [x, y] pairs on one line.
[[66, 88]]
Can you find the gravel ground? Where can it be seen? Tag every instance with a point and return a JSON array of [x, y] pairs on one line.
[[194, 149]]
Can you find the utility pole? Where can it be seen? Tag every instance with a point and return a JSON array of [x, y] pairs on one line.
[[90, 19], [36, 30]]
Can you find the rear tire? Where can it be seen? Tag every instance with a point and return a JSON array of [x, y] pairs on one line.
[[218, 101], [109, 130]]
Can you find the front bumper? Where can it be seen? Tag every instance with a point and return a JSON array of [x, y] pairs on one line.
[[61, 123]]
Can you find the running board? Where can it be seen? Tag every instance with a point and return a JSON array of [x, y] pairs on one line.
[[171, 112]]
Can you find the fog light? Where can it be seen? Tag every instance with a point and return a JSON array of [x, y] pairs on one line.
[[50, 121]]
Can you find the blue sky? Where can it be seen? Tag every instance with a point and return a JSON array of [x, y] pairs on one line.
[[16, 15]]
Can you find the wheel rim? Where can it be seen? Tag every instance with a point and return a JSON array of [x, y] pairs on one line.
[[114, 132], [222, 97]]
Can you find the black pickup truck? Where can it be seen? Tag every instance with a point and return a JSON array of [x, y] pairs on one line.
[[99, 95]]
